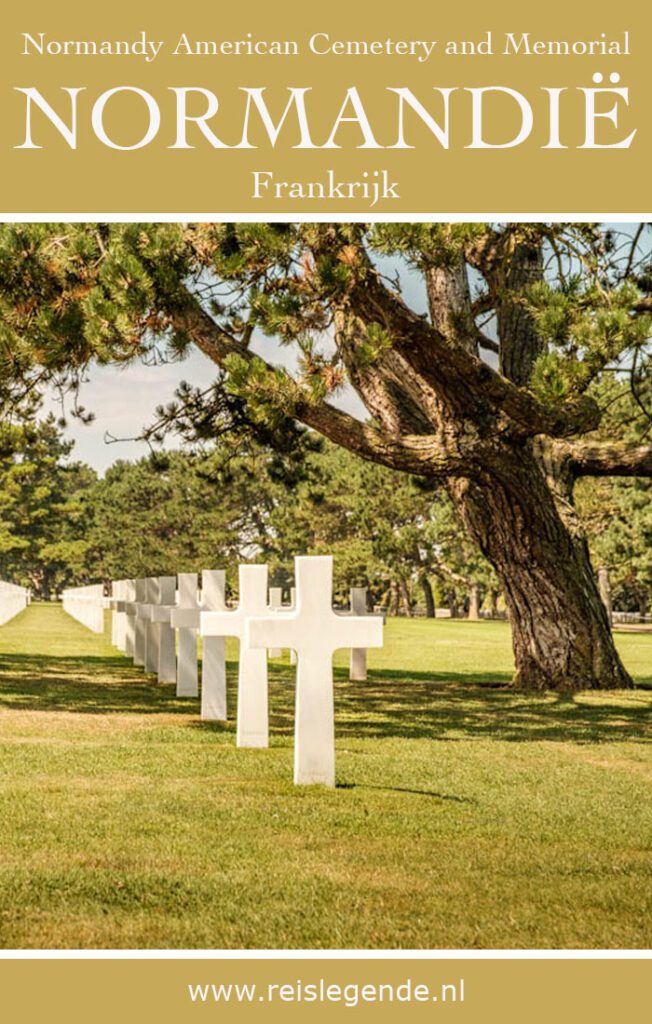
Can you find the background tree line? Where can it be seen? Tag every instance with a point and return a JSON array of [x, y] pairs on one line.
[[216, 503]]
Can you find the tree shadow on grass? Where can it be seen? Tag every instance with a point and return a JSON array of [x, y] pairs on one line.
[[404, 789], [86, 685], [416, 705], [454, 707]]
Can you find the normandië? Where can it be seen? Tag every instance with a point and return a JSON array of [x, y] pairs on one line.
[[251, 120]]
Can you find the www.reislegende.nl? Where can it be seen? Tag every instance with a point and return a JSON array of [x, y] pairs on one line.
[[324, 991]]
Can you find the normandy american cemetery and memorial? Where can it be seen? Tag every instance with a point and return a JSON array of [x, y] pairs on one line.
[[325, 586]]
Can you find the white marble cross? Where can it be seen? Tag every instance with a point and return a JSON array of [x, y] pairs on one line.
[[275, 605], [130, 617], [140, 624], [161, 611], [14, 600], [213, 669], [151, 630], [292, 606], [252, 728], [185, 619], [121, 626], [358, 659], [315, 632], [121, 594], [117, 612]]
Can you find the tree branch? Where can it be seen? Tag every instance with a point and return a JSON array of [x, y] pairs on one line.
[[600, 458], [464, 379], [421, 454]]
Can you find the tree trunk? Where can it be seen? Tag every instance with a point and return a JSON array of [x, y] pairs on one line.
[[393, 604], [560, 631], [474, 603], [605, 592], [428, 597], [407, 601], [451, 598], [493, 597]]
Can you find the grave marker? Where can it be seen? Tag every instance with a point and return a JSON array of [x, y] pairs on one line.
[[213, 674], [119, 617], [130, 617], [275, 605], [166, 593], [13, 600], [151, 628], [86, 605], [185, 619], [292, 606], [115, 593], [140, 634], [358, 659], [252, 727], [315, 632]]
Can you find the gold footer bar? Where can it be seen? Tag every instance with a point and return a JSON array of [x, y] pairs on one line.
[[459, 991]]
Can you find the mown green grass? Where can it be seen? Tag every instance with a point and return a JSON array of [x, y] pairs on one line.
[[465, 815]]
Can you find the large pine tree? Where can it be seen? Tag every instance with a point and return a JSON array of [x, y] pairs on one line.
[[557, 306]]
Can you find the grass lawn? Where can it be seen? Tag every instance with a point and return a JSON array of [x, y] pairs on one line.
[[465, 815]]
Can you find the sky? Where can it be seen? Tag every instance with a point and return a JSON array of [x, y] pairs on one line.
[[123, 400]]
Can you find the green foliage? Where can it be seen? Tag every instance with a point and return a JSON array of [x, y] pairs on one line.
[[167, 514], [261, 494], [73, 293], [617, 514], [43, 512], [425, 245], [584, 330], [388, 531]]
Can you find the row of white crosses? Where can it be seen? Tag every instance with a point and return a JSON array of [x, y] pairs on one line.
[[86, 605], [314, 632], [147, 613], [13, 600]]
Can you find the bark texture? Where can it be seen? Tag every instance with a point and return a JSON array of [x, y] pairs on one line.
[[560, 629], [428, 597]]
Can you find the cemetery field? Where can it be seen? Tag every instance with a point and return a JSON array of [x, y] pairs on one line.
[[465, 815]]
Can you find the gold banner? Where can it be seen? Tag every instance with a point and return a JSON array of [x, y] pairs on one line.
[[463, 991], [367, 108]]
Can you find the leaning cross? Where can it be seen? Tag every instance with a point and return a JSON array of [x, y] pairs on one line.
[[252, 674], [315, 632]]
